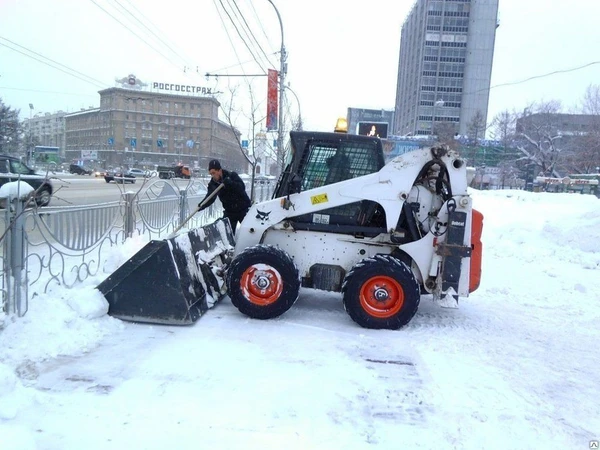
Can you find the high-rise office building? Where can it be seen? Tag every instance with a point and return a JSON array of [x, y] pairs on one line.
[[446, 52]]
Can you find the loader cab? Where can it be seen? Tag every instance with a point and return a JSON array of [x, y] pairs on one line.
[[321, 159]]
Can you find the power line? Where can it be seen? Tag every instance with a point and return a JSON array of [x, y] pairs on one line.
[[535, 77], [53, 66], [94, 81], [261, 27], [227, 33], [46, 92], [240, 36], [236, 65], [252, 34], [148, 28], [135, 34]]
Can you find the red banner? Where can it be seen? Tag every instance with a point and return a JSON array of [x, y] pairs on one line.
[[272, 100]]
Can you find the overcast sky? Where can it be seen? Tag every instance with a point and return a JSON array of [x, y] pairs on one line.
[[341, 54]]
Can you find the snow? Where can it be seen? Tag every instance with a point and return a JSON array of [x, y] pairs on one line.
[[16, 189], [515, 367]]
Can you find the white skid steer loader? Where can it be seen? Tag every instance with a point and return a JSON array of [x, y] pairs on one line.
[[342, 220]]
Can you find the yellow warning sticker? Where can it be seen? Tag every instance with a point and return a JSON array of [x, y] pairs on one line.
[[321, 198]]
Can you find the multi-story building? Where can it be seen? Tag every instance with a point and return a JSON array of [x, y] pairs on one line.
[[140, 127], [565, 125], [446, 52], [49, 128]]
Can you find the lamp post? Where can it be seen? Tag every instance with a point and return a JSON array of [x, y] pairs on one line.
[[299, 110], [282, 70], [29, 150]]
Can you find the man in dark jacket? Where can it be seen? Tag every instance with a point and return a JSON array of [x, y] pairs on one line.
[[236, 202]]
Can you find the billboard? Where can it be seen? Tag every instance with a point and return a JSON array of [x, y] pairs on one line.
[[272, 100], [377, 129], [89, 154]]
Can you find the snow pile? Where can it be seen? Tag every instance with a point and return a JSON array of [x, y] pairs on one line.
[[515, 367]]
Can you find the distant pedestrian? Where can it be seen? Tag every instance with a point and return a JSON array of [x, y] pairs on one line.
[[236, 202]]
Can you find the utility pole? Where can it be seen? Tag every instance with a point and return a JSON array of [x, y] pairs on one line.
[[29, 149], [282, 73]]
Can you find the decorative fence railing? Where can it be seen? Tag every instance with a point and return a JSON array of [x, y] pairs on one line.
[[42, 247]]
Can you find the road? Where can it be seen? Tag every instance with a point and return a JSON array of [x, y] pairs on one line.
[[72, 190]]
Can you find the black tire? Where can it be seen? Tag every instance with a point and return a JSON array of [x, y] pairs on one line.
[[268, 265], [43, 197], [381, 292]]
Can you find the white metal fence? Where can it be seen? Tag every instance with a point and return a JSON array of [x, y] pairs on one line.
[[41, 247]]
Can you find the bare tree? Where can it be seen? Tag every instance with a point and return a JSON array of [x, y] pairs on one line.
[[538, 137], [231, 113], [591, 100], [476, 128], [11, 129], [446, 133], [503, 128], [585, 152]]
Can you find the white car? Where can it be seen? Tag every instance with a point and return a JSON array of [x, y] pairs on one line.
[[138, 173]]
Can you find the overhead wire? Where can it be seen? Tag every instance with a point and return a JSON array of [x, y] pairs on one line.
[[136, 35], [249, 30], [236, 65], [48, 92], [273, 51], [241, 37], [535, 77], [54, 64], [152, 32], [228, 35]]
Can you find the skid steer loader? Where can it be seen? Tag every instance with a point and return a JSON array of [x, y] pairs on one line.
[[340, 220]]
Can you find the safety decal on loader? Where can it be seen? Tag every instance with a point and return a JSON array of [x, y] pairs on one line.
[[320, 198]]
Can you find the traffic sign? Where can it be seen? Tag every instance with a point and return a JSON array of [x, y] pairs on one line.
[[190, 143], [159, 143], [111, 141], [133, 142]]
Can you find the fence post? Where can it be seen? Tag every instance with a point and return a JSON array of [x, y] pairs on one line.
[[129, 219], [182, 206], [16, 235]]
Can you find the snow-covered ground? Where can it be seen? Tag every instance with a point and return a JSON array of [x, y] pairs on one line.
[[516, 367]]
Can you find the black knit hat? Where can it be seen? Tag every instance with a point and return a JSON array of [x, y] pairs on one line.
[[214, 164]]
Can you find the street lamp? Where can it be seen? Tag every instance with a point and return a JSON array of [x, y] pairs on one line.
[[299, 110], [282, 71]]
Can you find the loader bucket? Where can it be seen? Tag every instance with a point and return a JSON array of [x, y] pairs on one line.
[[171, 281]]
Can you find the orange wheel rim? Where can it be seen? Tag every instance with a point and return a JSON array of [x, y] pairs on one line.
[[381, 297], [261, 284]]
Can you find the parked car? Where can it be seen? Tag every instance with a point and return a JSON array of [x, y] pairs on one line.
[[11, 169], [118, 176], [138, 173], [79, 170]]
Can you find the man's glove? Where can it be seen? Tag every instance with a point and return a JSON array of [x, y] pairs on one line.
[[227, 181]]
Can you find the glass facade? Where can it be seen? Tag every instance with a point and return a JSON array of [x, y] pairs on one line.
[[433, 61]]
